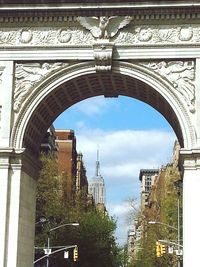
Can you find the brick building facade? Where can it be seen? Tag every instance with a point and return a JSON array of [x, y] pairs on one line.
[[67, 160]]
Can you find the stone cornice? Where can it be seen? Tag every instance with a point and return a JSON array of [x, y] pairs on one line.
[[60, 16], [73, 5], [140, 10]]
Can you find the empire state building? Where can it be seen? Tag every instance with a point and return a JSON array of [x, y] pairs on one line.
[[97, 185]]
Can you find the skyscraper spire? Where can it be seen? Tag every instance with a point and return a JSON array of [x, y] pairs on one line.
[[97, 163], [96, 185]]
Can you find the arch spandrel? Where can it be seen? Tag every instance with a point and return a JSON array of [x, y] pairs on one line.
[[70, 84]]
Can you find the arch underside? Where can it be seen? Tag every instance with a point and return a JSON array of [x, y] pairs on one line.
[[108, 84]]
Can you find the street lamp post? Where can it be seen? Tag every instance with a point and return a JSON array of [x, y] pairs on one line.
[[53, 229], [178, 186], [177, 229]]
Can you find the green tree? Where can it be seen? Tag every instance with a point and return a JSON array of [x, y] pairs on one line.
[[95, 234], [49, 197], [163, 208], [96, 240]]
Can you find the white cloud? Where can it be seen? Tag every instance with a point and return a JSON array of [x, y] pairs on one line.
[[94, 105], [119, 209], [123, 153]]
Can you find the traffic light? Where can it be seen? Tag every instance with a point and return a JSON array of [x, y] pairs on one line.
[[158, 249], [75, 254], [163, 249]]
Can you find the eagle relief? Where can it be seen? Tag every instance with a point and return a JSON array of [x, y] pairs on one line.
[[104, 27]]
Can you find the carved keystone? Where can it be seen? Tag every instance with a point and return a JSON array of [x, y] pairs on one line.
[[103, 55]]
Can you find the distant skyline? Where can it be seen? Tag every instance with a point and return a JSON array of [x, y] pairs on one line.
[[131, 136]]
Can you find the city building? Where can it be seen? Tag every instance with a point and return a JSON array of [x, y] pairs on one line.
[[130, 244], [97, 185], [133, 240], [67, 160], [62, 145], [147, 178], [48, 145], [81, 178]]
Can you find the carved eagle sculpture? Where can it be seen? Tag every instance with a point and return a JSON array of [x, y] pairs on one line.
[[104, 27]]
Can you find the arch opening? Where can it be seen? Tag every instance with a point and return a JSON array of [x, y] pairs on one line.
[[86, 86]]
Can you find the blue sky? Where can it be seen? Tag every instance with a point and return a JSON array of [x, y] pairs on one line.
[[130, 135]]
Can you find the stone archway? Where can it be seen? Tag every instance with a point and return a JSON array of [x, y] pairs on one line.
[[74, 83], [54, 58]]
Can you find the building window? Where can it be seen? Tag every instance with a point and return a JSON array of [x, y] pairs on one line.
[[148, 178], [147, 188]]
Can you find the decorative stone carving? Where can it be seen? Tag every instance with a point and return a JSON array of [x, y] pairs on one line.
[[8, 37], [64, 36], [46, 36], [165, 35], [160, 34], [181, 75], [81, 38], [103, 56], [144, 34], [101, 28], [28, 75], [104, 27], [25, 36], [185, 33]]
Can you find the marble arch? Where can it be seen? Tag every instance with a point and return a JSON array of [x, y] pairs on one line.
[[52, 56], [72, 84]]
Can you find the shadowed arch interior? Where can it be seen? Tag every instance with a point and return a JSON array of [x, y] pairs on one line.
[[90, 85]]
